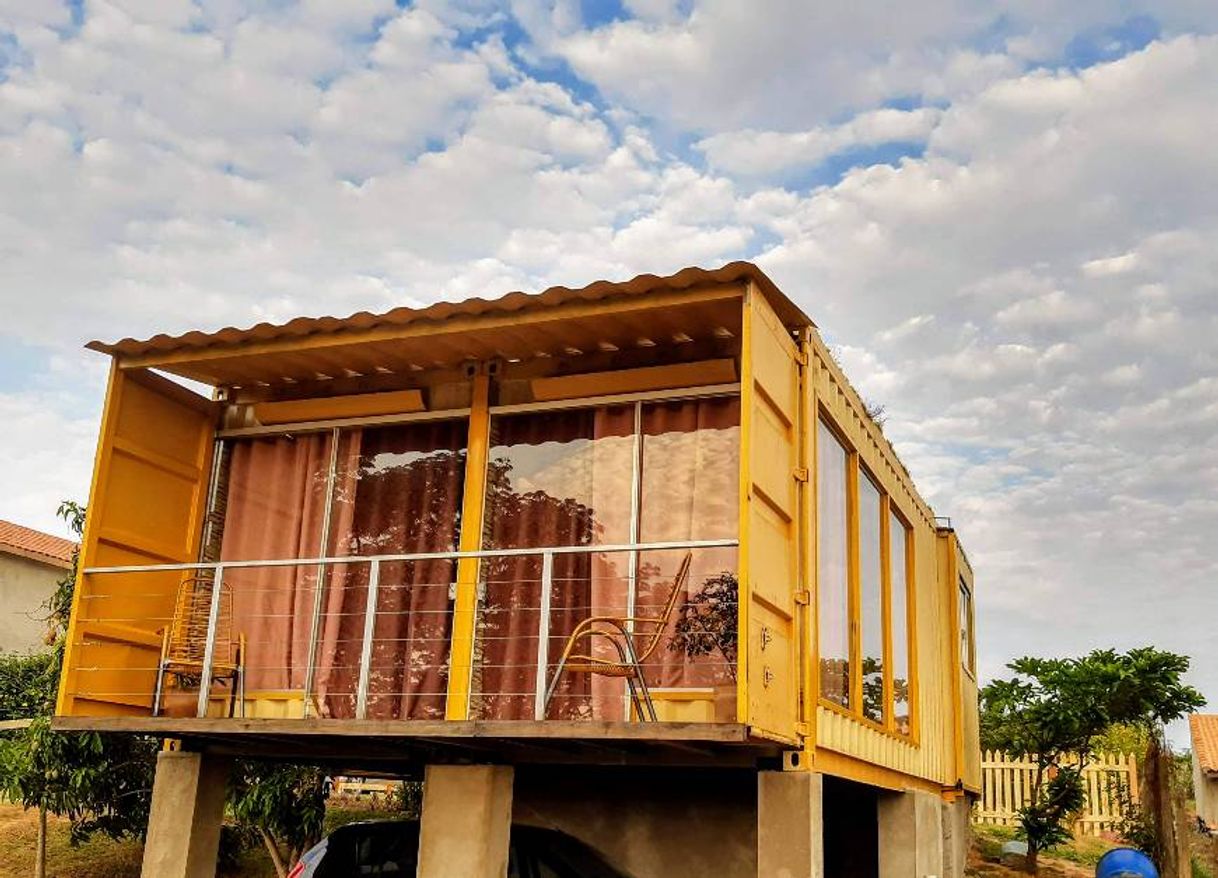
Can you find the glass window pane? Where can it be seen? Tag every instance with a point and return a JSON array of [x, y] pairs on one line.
[[871, 596], [560, 478], [899, 595], [967, 647], [397, 490], [690, 490], [833, 588]]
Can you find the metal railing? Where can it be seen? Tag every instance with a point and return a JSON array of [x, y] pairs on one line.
[[547, 555]]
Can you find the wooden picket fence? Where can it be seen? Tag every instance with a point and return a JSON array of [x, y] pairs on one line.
[[1006, 784]]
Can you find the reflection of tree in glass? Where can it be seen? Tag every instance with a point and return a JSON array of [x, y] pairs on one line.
[[506, 644], [707, 621], [873, 688], [404, 502], [835, 674], [835, 681]]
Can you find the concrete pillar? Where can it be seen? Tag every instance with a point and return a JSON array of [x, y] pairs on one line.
[[955, 836], [790, 841], [466, 822], [186, 814], [911, 835]]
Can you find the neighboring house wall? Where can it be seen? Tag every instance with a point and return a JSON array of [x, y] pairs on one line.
[[25, 585], [1205, 790]]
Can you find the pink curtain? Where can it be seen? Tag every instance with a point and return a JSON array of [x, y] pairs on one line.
[[397, 490], [275, 504], [690, 491]]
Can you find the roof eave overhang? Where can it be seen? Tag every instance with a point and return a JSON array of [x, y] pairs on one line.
[[165, 352]]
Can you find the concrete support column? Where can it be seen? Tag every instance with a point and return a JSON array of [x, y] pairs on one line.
[[911, 835], [185, 817], [955, 836], [466, 822], [790, 839]]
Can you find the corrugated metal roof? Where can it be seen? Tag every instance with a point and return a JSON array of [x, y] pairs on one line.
[[17, 539], [512, 302], [1204, 729]]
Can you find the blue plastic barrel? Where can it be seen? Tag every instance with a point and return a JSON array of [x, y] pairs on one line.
[[1125, 863]]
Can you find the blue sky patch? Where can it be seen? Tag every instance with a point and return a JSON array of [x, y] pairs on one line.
[[1100, 45]]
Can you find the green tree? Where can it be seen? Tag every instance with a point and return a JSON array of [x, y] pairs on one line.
[[1052, 710], [284, 805], [102, 783]]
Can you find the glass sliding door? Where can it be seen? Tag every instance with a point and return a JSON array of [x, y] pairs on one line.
[[561, 478], [691, 491], [270, 502], [397, 491], [355, 491], [611, 475]]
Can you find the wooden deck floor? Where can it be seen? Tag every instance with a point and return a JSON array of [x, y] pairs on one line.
[[380, 745]]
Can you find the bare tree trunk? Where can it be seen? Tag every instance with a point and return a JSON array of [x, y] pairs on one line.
[[273, 849], [40, 846], [1031, 862]]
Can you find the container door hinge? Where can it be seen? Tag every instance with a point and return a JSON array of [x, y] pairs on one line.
[[803, 729], [800, 473], [803, 597], [801, 357]]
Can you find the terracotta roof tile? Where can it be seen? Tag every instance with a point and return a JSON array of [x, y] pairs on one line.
[[27, 542], [1204, 728]]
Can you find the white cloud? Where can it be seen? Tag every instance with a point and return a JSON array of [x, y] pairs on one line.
[[764, 153]]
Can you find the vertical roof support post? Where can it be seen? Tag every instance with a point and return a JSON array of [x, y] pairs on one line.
[[465, 602]]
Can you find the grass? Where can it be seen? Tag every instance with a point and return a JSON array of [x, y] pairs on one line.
[[1077, 857], [103, 858]]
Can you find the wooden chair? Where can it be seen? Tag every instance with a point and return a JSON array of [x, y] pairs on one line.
[[633, 647], [184, 642]]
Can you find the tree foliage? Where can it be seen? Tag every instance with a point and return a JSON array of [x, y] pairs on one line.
[[102, 783], [1052, 710], [285, 805], [706, 622]]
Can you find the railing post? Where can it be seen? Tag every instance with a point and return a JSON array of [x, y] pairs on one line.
[[543, 635], [319, 586], [365, 656], [209, 650]]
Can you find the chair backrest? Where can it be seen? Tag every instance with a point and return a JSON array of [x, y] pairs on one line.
[[661, 621], [188, 630]]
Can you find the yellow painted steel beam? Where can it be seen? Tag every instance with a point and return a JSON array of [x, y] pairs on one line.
[[850, 768], [668, 377], [360, 405], [747, 392], [465, 606]]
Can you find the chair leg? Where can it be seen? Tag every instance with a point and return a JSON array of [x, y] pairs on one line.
[[641, 683], [553, 687]]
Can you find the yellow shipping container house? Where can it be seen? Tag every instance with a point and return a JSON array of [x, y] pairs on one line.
[[645, 531]]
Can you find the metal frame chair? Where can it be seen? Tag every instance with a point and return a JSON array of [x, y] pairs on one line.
[[184, 642], [620, 632]]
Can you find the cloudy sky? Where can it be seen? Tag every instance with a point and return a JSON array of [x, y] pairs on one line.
[[1003, 213]]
